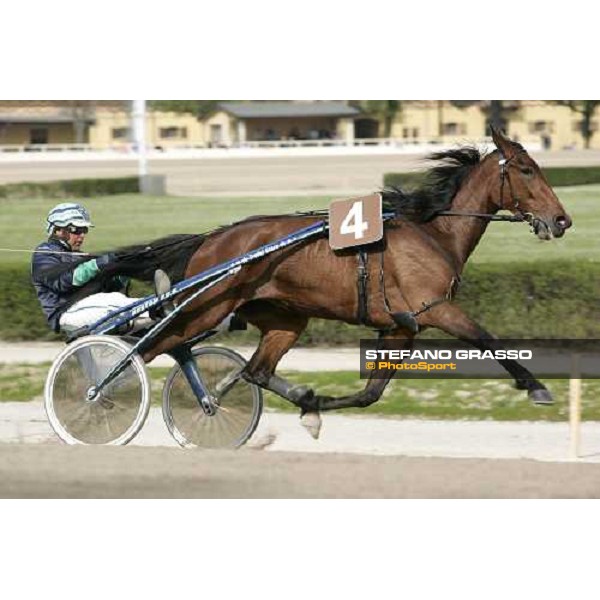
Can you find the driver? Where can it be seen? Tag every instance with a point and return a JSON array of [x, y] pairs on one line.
[[67, 226]]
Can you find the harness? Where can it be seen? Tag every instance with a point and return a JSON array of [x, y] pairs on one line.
[[362, 283], [408, 319]]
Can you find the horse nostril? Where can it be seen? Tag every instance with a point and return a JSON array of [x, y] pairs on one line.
[[563, 222]]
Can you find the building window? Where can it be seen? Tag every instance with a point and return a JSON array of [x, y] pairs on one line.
[[120, 133], [454, 129], [173, 133], [541, 127], [410, 132]]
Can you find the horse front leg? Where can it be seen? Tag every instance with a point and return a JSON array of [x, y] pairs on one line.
[[453, 320]]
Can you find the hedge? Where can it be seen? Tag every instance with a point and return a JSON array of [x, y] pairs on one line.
[[559, 299], [72, 188], [556, 176]]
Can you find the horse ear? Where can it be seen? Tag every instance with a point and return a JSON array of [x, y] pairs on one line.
[[502, 142]]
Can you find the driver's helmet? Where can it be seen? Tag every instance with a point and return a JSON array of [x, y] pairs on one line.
[[66, 214]]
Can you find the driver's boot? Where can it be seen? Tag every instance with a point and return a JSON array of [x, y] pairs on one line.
[[162, 285]]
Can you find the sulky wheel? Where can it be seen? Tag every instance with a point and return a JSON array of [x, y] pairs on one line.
[[117, 414], [238, 403]]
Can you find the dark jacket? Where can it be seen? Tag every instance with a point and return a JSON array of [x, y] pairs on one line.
[[56, 294], [53, 293]]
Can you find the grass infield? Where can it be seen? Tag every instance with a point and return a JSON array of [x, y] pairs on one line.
[[130, 219], [417, 398]]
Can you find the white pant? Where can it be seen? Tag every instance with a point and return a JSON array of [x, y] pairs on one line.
[[93, 308]]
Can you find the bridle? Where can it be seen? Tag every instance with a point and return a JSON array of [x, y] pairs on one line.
[[505, 177], [520, 217], [534, 222]]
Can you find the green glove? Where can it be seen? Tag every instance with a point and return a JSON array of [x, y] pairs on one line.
[[89, 269], [85, 272]]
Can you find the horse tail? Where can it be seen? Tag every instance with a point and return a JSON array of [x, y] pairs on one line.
[[171, 254]]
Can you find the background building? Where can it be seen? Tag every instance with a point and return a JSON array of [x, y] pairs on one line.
[[107, 123], [280, 121]]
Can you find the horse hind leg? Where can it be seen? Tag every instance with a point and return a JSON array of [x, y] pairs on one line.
[[280, 330], [302, 396]]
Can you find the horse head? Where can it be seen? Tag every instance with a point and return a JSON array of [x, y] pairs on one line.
[[523, 190]]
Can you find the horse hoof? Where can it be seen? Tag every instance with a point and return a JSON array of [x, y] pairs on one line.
[[541, 397], [312, 422], [261, 442]]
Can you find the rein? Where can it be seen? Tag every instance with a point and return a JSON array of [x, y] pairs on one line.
[[507, 218], [82, 254], [144, 250]]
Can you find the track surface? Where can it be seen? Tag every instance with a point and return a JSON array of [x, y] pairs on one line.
[[356, 457], [252, 176], [48, 471]]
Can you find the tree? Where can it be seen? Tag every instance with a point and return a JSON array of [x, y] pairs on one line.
[[82, 111], [586, 108], [199, 108], [383, 110], [497, 112]]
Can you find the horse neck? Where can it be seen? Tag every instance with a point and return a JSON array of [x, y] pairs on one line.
[[460, 235]]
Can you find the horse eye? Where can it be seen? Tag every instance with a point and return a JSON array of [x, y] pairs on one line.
[[527, 171]]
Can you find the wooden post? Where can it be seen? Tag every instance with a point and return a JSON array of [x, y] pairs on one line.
[[575, 407]]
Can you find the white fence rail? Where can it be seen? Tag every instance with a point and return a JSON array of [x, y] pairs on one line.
[[126, 148], [49, 153]]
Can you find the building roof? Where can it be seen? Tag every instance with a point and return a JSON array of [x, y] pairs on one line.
[[39, 118], [253, 110]]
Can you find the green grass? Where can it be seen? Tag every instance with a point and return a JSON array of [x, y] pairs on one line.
[[451, 399], [129, 219], [508, 242], [417, 398]]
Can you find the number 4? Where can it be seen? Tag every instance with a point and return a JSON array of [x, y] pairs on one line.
[[353, 223]]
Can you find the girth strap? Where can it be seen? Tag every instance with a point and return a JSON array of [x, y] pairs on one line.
[[362, 282], [408, 319]]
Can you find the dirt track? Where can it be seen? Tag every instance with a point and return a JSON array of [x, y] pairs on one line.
[[53, 471], [280, 175]]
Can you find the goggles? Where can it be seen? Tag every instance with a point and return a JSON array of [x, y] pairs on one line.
[[76, 230]]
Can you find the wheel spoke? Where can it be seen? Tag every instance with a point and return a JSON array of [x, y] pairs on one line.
[[237, 408], [120, 409]]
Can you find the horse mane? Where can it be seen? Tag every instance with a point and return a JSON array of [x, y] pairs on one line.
[[172, 253], [441, 184]]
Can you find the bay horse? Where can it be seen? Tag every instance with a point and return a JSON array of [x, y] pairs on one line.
[[422, 257]]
